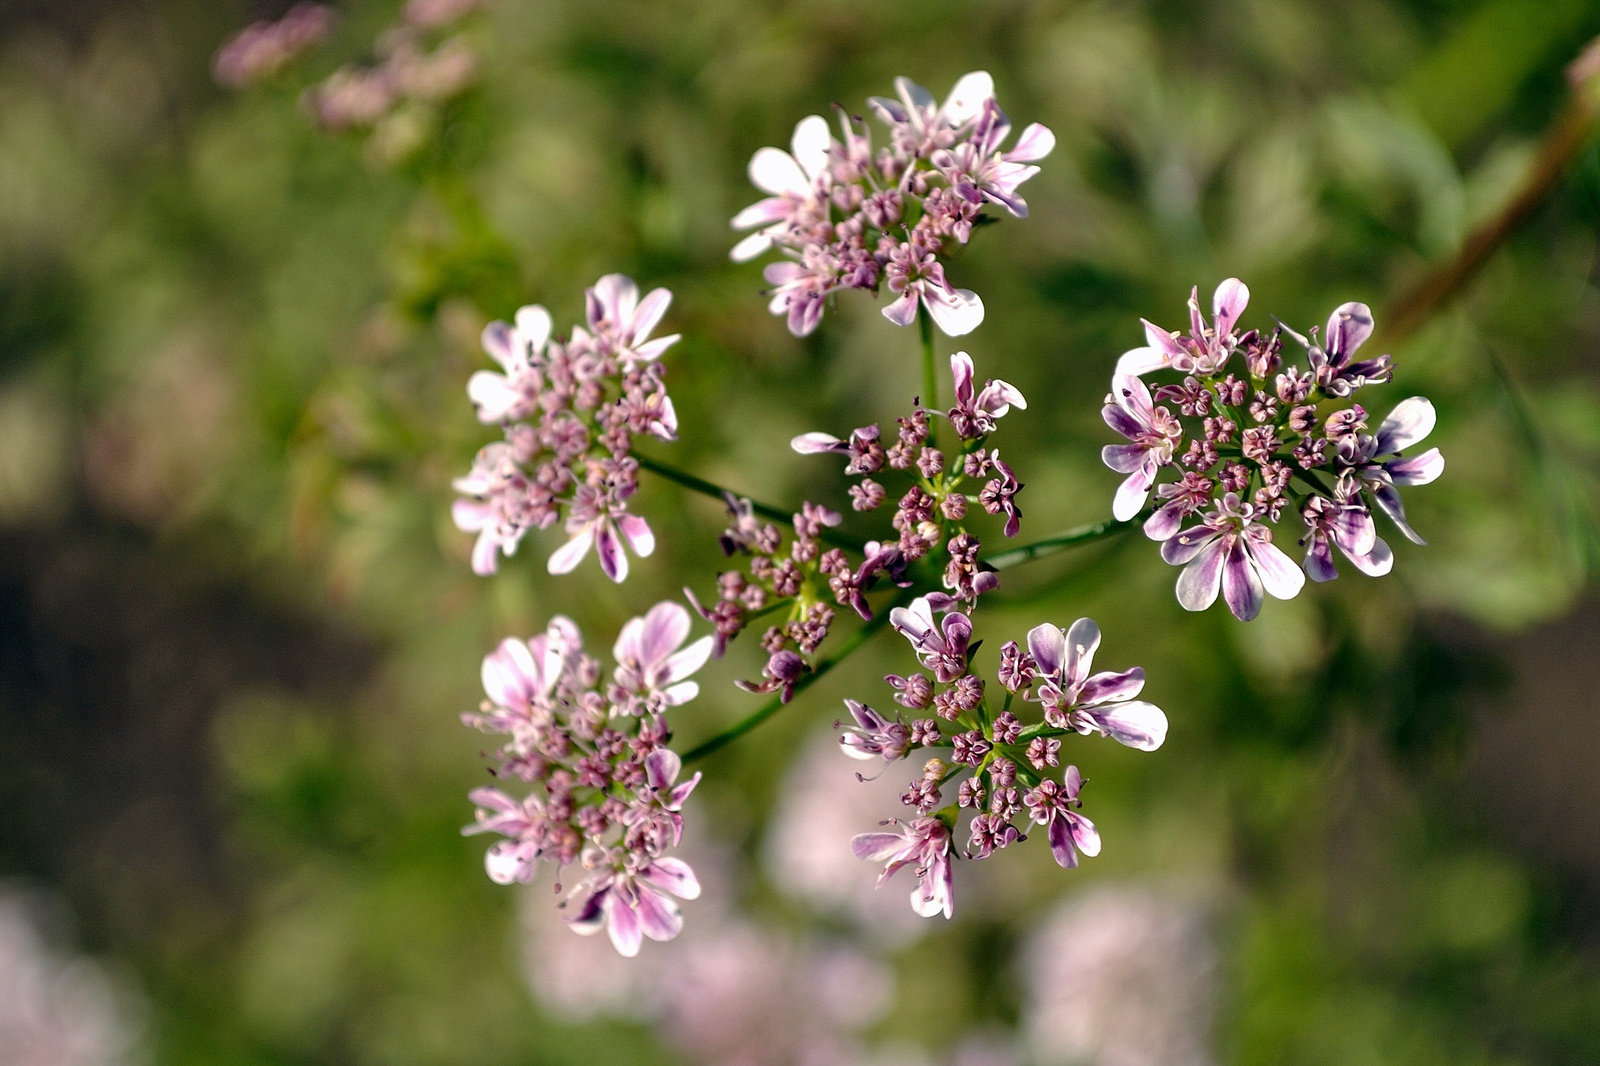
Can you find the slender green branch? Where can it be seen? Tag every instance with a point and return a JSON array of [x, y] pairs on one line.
[[773, 514], [930, 362], [1565, 138], [776, 704], [1072, 538]]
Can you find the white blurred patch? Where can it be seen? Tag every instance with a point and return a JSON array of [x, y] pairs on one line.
[[808, 857], [56, 1009], [1120, 976]]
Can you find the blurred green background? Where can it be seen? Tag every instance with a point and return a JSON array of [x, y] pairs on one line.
[[237, 626]]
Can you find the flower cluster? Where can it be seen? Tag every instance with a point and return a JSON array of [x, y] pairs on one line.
[[570, 412], [793, 575], [1246, 438], [933, 509], [1002, 766], [847, 217], [262, 50], [414, 66], [606, 791]]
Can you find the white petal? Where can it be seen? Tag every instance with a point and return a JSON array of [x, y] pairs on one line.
[[567, 557], [533, 326], [968, 96], [811, 143], [751, 247], [775, 171], [1136, 361], [956, 313]]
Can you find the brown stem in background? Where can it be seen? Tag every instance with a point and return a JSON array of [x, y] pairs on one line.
[[1561, 145]]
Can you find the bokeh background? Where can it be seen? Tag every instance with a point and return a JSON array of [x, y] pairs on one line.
[[237, 626]]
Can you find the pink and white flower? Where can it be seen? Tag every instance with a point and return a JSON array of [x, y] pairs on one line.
[[519, 350], [1052, 805], [1104, 702], [651, 672], [1153, 433], [1232, 552], [796, 183], [604, 527], [976, 410], [1205, 350], [631, 903], [923, 844], [915, 274], [622, 323]]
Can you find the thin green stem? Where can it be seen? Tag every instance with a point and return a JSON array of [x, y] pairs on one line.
[[776, 704], [773, 514], [1072, 538], [930, 376]]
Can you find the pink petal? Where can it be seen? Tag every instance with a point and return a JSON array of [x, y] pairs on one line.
[[1377, 562], [1348, 327], [493, 395], [876, 847], [688, 661], [762, 213], [623, 924], [1228, 303], [506, 863], [665, 627], [816, 443], [649, 313], [1048, 646], [608, 546], [660, 918], [1082, 640], [636, 531], [1111, 687], [1061, 843], [471, 515], [1241, 585], [903, 311], [672, 875], [1201, 579], [1136, 724], [1411, 421], [1279, 575], [962, 370], [1084, 834], [1134, 491], [1417, 469], [1035, 143]]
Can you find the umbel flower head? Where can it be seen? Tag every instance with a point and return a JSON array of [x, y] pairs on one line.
[[570, 412], [847, 217], [1003, 768], [1244, 439], [606, 790]]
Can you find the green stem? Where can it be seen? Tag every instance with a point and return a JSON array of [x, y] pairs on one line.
[[776, 704], [1061, 542], [930, 377], [765, 510]]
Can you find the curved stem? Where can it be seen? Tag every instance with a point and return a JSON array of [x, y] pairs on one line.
[[1565, 139], [930, 363], [717, 492], [1061, 542], [776, 703]]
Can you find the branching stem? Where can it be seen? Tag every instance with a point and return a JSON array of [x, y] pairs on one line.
[[776, 704]]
